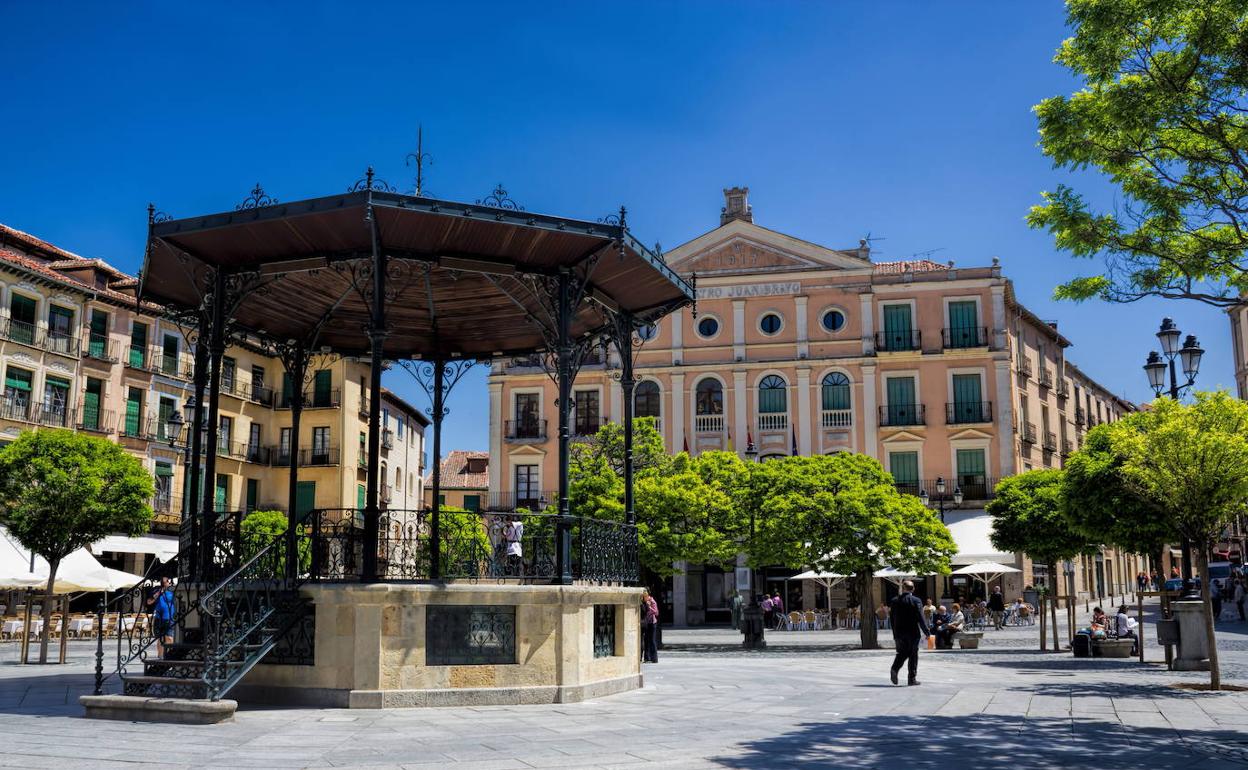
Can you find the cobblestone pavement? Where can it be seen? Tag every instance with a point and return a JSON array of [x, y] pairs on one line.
[[802, 704]]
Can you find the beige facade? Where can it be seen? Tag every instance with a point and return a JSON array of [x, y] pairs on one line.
[[794, 348], [76, 353], [1239, 347]]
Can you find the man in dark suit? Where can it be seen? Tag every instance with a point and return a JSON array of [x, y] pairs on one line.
[[909, 628]]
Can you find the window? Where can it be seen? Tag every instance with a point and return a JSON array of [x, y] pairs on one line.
[[229, 374], [399, 427], [708, 327], [770, 323], [55, 397], [225, 434], [91, 398], [902, 409], [710, 397], [138, 346], [253, 494], [253, 442], [585, 402], [964, 325], [283, 447], [527, 494], [162, 502], [472, 502], [97, 341], [17, 384], [833, 320], [478, 465], [772, 395], [967, 405], [898, 329], [835, 391], [322, 393], [134, 411], [646, 400], [169, 356], [528, 412], [648, 332], [905, 469], [320, 446], [363, 449], [60, 328], [164, 411], [22, 319], [223, 491], [288, 390], [257, 382], [971, 476]]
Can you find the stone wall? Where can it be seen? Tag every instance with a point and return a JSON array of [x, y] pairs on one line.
[[371, 648]]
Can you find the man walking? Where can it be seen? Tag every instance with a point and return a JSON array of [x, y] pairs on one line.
[[996, 605], [909, 628]]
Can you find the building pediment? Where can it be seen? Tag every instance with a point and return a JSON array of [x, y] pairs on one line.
[[969, 434], [902, 435], [527, 451], [741, 247]]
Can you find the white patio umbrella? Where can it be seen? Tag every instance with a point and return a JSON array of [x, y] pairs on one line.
[[825, 579], [77, 572], [986, 571], [894, 575]]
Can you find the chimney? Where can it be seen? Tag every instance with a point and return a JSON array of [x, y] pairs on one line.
[[736, 206]]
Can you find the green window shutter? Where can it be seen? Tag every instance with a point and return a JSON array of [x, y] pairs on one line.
[[91, 405], [17, 379], [472, 502], [901, 406], [56, 382], [223, 491], [836, 391], [164, 469], [22, 309], [253, 494], [321, 388], [772, 395], [98, 342], [904, 466], [972, 473], [966, 397], [288, 389], [305, 497], [962, 316], [360, 496], [138, 346], [898, 328], [134, 408]]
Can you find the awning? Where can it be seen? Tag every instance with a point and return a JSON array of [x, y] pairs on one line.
[[78, 572], [972, 533], [163, 547]]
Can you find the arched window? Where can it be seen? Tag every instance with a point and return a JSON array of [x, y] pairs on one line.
[[710, 396], [836, 391], [398, 479], [646, 399], [773, 395]]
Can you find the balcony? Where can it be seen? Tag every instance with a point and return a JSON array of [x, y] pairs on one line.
[[136, 358], [169, 365], [260, 395], [260, 455], [1050, 441], [1024, 366], [53, 415], [96, 420], [1028, 433], [387, 439], [1067, 447], [1080, 416], [773, 421], [896, 415], [385, 493], [364, 406], [528, 429], [1046, 377], [965, 337], [308, 458], [974, 487], [531, 500], [964, 412], [29, 334], [837, 418], [16, 409], [708, 423], [898, 341], [100, 348], [1063, 388], [314, 399]]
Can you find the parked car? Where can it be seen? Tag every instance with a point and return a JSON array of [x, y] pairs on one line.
[[1176, 584]]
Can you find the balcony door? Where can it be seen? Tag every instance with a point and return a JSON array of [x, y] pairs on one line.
[[898, 327], [967, 398], [528, 413], [901, 402], [972, 476], [963, 324]]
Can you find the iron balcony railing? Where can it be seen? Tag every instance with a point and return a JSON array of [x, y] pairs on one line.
[[308, 458], [54, 415], [1081, 417], [18, 331], [100, 348], [974, 487], [387, 439], [260, 394], [136, 357], [1067, 448], [896, 341], [169, 365], [312, 399], [1028, 433], [962, 412], [893, 415], [18, 409], [96, 420], [364, 406], [526, 429], [1050, 441], [32, 335], [162, 501], [965, 337], [1063, 388], [1046, 377], [1024, 366]]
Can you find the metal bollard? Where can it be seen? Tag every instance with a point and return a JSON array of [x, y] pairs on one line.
[[99, 647]]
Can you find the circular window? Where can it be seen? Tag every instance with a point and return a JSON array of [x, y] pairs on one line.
[[648, 332], [770, 323], [833, 320], [708, 327]]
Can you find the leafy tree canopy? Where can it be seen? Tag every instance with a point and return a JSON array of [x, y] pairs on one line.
[[1029, 515], [1164, 115]]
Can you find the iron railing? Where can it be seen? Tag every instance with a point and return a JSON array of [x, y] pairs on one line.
[[973, 487], [1046, 377], [1028, 433], [1024, 366], [534, 500], [18, 409], [100, 348], [308, 457], [965, 337], [901, 414], [1067, 447], [312, 399], [521, 430], [1080, 416], [1050, 441], [96, 420], [896, 341], [387, 439], [960, 412], [53, 415]]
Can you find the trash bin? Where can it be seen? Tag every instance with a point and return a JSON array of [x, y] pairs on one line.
[[1081, 646], [752, 628]]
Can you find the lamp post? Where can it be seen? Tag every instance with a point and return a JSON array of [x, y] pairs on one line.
[[1189, 356], [753, 625], [940, 500], [751, 455]]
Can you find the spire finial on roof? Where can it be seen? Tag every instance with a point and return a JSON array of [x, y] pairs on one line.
[[736, 206]]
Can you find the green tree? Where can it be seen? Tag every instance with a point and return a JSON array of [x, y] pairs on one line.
[[61, 491], [842, 513], [1191, 463], [1162, 115], [1029, 515], [260, 528]]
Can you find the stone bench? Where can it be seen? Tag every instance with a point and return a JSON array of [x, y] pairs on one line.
[[1112, 648], [969, 640]]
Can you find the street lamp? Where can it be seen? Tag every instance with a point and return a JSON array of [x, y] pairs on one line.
[[940, 500], [751, 455]]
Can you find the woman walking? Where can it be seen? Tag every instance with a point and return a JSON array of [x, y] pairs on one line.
[[649, 621]]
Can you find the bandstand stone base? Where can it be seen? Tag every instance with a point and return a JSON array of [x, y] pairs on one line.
[[373, 647]]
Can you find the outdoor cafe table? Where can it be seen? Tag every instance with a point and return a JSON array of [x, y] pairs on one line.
[[78, 625], [14, 626]]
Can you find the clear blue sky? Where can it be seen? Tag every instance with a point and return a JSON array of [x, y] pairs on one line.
[[907, 120]]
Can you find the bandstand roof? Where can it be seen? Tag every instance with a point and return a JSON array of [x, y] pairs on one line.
[[463, 279]]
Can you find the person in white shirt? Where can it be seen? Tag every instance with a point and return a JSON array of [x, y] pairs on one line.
[[513, 533], [1124, 627]]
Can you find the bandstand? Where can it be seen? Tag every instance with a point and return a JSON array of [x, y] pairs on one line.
[[377, 607]]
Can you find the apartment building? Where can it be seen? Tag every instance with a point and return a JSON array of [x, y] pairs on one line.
[[78, 351], [938, 371], [465, 479]]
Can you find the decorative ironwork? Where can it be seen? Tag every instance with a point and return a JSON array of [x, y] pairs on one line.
[[298, 646], [470, 636], [607, 549], [155, 217], [420, 158], [257, 199], [370, 182], [619, 220], [453, 371], [499, 199], [604, 630]]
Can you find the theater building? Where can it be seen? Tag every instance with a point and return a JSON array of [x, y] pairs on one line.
[[936, 370]]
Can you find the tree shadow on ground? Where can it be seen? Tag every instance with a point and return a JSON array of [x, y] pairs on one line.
[[722, 649], [984, 742]]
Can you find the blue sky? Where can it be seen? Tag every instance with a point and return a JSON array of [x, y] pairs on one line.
[[910, 121]]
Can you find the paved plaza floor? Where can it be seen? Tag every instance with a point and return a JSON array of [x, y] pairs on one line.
[[807, 702]]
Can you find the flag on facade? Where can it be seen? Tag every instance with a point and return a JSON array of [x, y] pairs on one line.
[[686, 445], [794, 440], [730, 449]]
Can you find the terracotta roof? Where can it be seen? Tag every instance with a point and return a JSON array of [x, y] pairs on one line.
[[36, 243], [455, 473], [909, 266], [41, 269]]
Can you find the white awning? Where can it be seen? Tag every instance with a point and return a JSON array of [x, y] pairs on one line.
[[972, 533], [163, 547], [79, 571]]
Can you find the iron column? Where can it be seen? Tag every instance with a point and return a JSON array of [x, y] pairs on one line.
[[216, 350], [435, 524], [563, 533], [376, 338]]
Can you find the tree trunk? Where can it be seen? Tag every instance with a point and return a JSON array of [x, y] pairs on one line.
[[46, 611], [866, 603], [1057, 647], [1041, 609], [1202, 562]]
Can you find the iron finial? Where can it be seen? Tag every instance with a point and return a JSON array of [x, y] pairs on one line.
[[420, 158], [256, 199], [369, 182]]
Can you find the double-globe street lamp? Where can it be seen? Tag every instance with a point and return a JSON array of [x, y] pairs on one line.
[[940, 499], [1155, 367]]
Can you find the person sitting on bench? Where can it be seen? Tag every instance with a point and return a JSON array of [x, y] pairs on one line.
[[957, 621], [1124, 628]]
